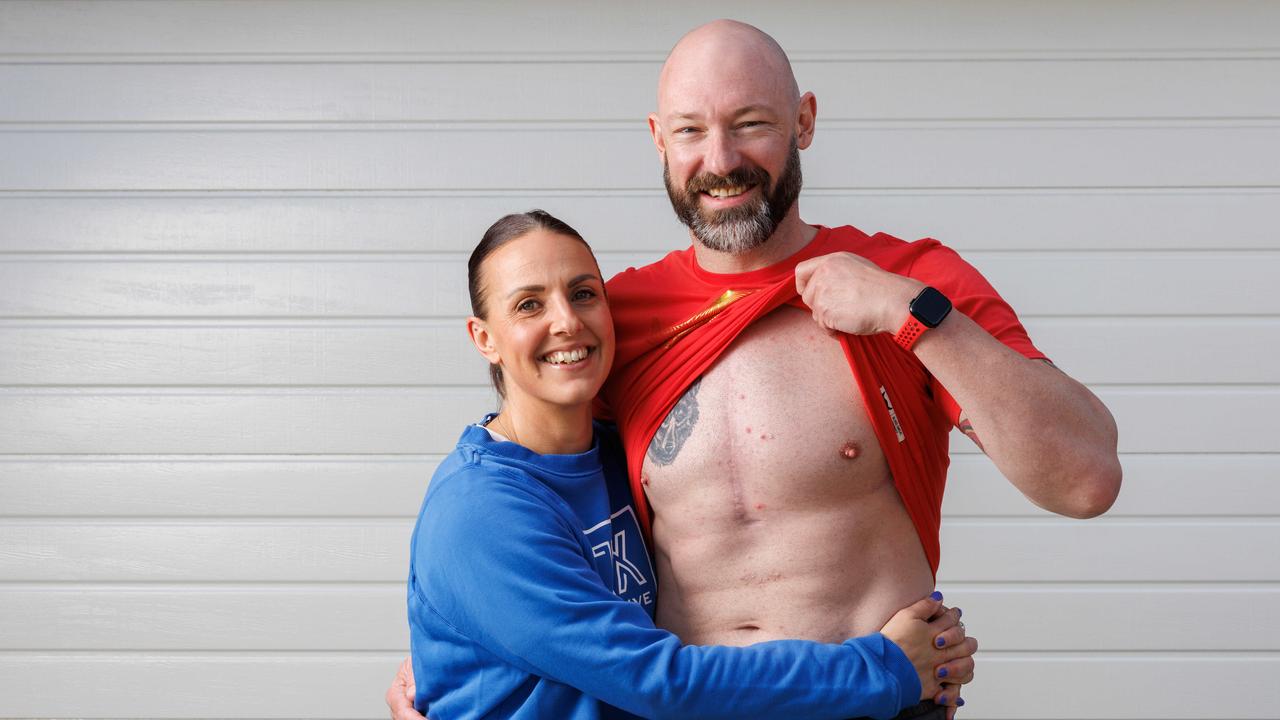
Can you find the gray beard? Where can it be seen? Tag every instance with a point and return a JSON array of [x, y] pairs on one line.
[[735, 235], [740, 229]]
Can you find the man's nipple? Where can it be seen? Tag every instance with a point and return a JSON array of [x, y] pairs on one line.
[[849, 450]]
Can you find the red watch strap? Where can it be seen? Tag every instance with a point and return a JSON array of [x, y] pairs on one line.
[[910, 331]]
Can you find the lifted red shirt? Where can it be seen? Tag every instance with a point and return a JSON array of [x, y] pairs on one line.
[[673, 319]]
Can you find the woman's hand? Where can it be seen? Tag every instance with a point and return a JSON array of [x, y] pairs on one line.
[[400, 694], [933, 638]]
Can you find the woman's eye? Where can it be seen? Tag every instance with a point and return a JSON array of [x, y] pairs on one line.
[[584, 294], [527, 306]]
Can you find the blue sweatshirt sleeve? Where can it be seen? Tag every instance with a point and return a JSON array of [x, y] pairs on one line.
[[502, 564]]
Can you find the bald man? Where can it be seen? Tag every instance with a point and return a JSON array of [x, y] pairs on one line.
[[785, 391]]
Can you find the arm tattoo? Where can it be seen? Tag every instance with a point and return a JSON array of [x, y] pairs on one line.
[[676, 428], [966, 427]]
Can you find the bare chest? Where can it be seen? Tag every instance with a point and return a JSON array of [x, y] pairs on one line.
[[776, 425]]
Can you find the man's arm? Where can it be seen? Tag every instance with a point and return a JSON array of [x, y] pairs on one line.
[[1051, 437]]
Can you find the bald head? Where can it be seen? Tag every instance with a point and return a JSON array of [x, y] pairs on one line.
[[729, 127], [729, 55]]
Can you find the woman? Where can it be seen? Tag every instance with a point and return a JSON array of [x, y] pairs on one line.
[[530, 593]]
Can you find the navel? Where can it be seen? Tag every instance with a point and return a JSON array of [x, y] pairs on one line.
[[849, 450]]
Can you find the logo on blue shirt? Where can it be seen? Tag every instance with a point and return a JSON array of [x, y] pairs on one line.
[[619, 539]]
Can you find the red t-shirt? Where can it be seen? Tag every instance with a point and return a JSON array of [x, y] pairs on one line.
[[673, 320]]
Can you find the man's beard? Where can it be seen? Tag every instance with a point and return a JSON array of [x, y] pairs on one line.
[[738, 229]]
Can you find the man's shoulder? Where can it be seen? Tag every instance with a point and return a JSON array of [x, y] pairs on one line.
[[888, 251], [673, 262]]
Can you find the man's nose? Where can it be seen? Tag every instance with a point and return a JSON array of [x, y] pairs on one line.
[[564, 317], [722, 156]]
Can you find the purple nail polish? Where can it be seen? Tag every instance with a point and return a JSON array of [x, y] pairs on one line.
[[959, 702], [940, 642], [942, 672], [936, 595], [959, 613], [942, 700]]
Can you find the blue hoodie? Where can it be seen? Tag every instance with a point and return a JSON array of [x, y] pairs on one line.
[[531, 595]]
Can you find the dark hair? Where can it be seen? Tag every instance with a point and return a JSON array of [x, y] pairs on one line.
[[508, 228]]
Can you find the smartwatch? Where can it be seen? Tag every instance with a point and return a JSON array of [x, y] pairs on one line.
[[926, 311]]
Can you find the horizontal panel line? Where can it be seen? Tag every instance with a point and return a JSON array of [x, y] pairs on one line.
[[1106, 521], [1083, 526], [347, 257], [408, 515], [250, 386], [232, 458], [952, 519], [150, 319], [1087, 655], [396, 458], [973, 452], [233, 391], [160, 653], [1090, 655], [197, 586], [295, 388], [11, 457], [304, 390], [233, 322], [287, 255], [325, 457], [1101, 656], [572, 191], [630, 57], [1162, 586], [610, 193], [197, 654], [453, 322], [83, 522], [481, 125], [1029, 585], [952, 589], [254, 318], [1033, 515]]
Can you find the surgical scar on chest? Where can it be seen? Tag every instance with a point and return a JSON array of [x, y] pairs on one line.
[[676, 428]]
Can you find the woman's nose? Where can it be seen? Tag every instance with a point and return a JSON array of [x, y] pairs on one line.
[[564, 318]]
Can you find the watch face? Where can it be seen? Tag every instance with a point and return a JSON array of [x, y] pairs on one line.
[[930, 307]]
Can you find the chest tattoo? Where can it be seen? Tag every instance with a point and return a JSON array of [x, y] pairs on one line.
[[676, 428]]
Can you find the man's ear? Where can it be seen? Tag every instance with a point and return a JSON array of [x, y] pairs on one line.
[[655, 129], [806, 119], [479, 331]]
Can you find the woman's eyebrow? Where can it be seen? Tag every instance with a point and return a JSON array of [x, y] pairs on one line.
[[527, 288]]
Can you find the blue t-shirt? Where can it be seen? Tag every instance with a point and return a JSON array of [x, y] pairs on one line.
[[531, 595]]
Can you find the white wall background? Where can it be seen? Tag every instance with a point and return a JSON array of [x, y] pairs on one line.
[[232, 238]]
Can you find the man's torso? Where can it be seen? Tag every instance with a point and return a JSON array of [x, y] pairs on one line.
[[775, 515]]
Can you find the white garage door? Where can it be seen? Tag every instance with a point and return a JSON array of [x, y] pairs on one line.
[[232, 239]]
